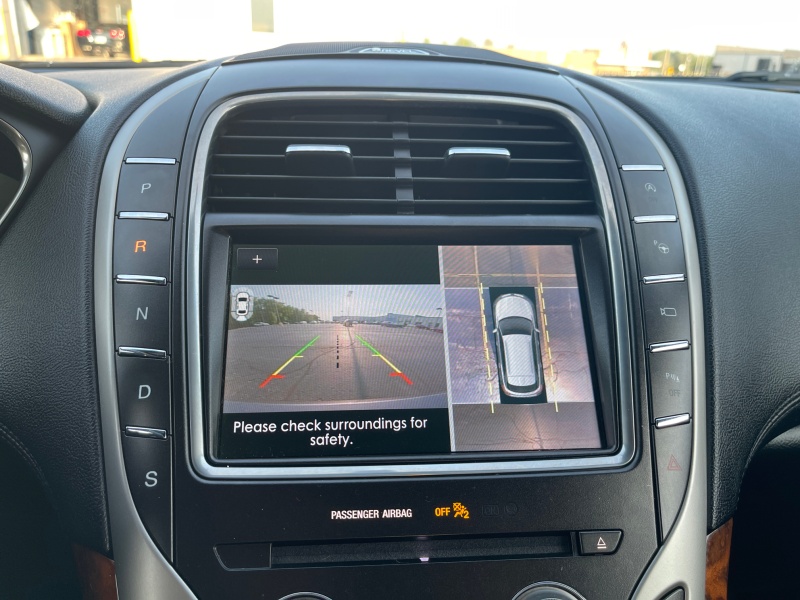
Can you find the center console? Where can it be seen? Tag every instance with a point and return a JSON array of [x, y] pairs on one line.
[[379, 343]]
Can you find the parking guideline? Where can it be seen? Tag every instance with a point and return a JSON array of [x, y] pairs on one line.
[[298, 354]]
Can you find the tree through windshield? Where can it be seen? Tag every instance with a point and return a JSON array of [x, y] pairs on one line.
[[611, 38]]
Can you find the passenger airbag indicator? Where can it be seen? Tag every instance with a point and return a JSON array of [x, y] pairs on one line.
[[372, 513], [457, 510]]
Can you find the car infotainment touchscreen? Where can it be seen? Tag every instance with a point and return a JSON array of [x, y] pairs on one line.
[[346, 351]]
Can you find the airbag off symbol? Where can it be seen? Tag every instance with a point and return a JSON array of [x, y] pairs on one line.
[[458, 511]]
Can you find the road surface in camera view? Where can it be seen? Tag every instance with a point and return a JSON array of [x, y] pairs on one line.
[[319, 366]]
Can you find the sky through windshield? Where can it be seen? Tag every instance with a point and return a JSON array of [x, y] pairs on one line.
[[602, 37]]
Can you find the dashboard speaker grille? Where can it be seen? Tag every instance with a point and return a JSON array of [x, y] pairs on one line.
[[390, 158]]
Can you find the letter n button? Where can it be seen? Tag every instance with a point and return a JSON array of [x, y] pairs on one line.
[[141, 315]]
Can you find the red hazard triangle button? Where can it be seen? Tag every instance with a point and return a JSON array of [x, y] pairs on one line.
[[673, 464]]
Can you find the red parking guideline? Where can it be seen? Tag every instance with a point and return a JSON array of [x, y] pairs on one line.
[[404, 376], [397, 372], [298, 354], [270, 378]]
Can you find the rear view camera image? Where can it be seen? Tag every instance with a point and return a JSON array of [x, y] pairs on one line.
[[336, 351], [338, 347]]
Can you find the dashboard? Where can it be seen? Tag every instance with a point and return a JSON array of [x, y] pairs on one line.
[[346, 321]]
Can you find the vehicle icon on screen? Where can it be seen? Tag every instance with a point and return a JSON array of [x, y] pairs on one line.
[[242, 304], [517, 337]]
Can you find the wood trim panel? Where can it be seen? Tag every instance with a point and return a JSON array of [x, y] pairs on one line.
[[718, 555], [96, 573]]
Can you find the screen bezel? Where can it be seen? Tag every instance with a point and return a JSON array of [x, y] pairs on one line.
[[583, 233]]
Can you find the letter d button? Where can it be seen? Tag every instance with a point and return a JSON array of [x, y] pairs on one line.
[[143, 391]]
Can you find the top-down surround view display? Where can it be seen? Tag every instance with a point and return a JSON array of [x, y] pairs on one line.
[[298, 304], [463, 363]]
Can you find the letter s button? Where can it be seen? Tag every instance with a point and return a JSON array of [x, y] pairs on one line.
[[148, 465], [151, 479]]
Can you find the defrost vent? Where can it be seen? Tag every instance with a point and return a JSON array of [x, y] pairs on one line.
[[396, 158]]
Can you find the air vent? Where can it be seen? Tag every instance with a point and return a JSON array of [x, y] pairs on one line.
[[411, 158]]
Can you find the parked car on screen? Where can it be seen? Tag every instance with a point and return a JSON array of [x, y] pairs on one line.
[[517, 336]]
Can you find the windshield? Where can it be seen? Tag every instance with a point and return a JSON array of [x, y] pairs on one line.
[[703, 38]]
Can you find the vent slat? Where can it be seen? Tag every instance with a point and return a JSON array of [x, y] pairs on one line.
[[347, 180], [279, 204], [502, 201], [495, 135], [493, 143], [414, 159], [281, 156], [290, 202], [373, 140], [342, 187], [389, 124], [470, 190], [275, 164], [303, 122], [287, 178], [305, 139], [493, 181], [398, 150], [256, 199], [485, 126], [276, 145], [384, 166], [510, 206]]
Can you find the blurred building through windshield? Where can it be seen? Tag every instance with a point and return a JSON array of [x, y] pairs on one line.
[[158, 30], [64, 29]]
